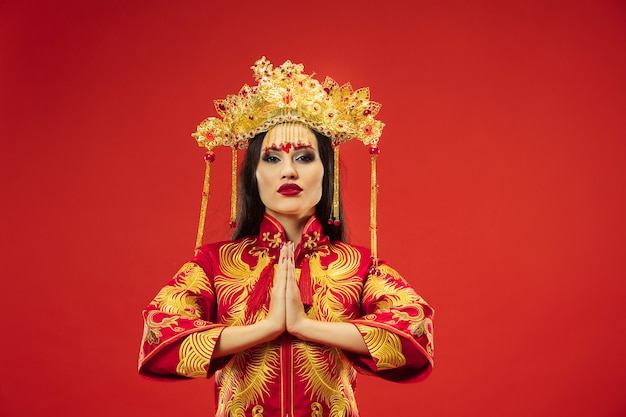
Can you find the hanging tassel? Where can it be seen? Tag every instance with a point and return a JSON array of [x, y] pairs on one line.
[[233, 191], [306, 287], [261, 291], [374, 151], [334, 217], [208, 158]]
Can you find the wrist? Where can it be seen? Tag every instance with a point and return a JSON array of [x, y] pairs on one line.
[[270, 329], [301, 328]]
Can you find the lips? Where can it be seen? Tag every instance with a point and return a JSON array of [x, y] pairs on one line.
[[289, 189]]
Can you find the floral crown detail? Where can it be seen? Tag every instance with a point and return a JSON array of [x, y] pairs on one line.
[[287, 94]]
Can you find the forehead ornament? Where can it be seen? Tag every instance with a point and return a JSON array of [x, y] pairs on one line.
[[285, 147]]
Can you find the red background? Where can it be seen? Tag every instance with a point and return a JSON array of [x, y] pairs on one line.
[[502, 189]]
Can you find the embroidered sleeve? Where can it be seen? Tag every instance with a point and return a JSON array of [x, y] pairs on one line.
[[180, 332], [397, 328]]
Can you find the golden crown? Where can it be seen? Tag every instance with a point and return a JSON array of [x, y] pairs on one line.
[[287, 94]]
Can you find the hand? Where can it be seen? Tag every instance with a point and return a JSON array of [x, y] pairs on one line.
[[276, 315], [295, 314]]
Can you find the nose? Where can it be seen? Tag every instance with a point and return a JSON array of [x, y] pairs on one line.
[[288, 170]]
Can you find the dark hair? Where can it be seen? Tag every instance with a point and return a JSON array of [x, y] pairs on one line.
[[250, 208]]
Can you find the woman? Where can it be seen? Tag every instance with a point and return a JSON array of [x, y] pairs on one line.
[[285, 313]]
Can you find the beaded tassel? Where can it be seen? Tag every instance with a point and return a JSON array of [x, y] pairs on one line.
[[233, 195], [334, 217], [208, 158], [374, 151]]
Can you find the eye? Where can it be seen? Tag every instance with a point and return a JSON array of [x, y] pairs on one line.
[[270, 158], [305, 157]]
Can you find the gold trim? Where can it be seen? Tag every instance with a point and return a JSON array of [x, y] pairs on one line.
[[335, 211], [373, 200], [203, 205], [233, 184]]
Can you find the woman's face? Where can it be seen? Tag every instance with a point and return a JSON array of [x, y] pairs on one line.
[[290, 171]]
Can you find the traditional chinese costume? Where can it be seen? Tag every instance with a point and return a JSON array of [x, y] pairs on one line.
[[286, 376]]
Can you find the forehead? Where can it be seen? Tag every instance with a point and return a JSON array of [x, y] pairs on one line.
[[289, 133]]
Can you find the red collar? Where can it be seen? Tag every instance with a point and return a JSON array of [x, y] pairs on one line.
[[272, 234]]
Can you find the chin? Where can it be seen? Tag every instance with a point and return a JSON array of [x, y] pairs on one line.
[[292, 213]]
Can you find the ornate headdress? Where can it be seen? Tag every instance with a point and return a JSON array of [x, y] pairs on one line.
[[287, 94]]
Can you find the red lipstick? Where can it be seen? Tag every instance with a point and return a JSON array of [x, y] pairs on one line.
[[289, 189]]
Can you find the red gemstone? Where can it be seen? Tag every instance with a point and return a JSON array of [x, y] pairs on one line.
[[374, 150], [233, 224], [209, 156], [222, 107], [367, 112], [337, 222]]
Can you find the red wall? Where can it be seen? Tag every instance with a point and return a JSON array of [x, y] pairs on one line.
[[502, 189]]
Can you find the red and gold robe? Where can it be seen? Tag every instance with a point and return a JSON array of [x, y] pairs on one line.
[[287, 376]]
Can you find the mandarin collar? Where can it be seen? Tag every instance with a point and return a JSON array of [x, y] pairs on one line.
[[272, 234]]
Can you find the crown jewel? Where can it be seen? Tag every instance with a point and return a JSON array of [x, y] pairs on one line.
[[287, 94]]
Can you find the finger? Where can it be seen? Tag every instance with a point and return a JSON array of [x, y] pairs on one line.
[[292, 283], [291, 264], [288, 250], [281, 270]]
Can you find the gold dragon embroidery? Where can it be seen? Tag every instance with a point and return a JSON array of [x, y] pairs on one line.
[[339, 284], [391, 290], [328, 377], [180, 300], [384, 346], [238, 279], [152, 329], [195, 353], [182, 297], [248, 375]]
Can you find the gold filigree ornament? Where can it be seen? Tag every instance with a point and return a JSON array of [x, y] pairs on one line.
[[286, 94]]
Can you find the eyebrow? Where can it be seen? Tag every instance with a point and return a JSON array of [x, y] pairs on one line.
[[285, 147]]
